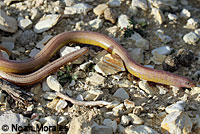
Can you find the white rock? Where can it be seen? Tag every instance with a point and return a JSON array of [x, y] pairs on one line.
[[135, 119], [33, 52], [62, 120], [178, 106], [145, 86], [100, 9], [49, 95], [185, 14], [176, 123], [61, 105], [158, 15], [123, 21], [46, 22], [96, 23], [78, 9], [142, 4], [118, 109], [7, 23], [190, 38], [114, 3], [142, 129], [54, 84], [25, 24], [192, 23], [172, 17], [121, 93], [95, 79], [85, 65], [125, 120], [35, 14], [164, 50], [69, 3], [110, 123], [164, 38]]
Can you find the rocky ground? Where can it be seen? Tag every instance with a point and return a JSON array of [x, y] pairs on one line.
[[160, 34]]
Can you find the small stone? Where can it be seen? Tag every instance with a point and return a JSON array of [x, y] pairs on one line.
[[195, 90], [109, 64], [35, 14], [85, 65], [114, 3], [125, 120], [137, 53], [164, 38], [145, 86], [158, 15], [45, 39], [185, 14], [118, 109], [142, 129], [7, 23], [178, 106], [25, 24], [142, 4], [78, 9], [192, 24], [8, 42], [170, 63], [121, 93], [164, 50], [93, 95], [100, 129], [96, 23], [27, 37], [69, 3], [66, 50], [112, 30], [53, 103], [62, 120], [172, 17], [135, 119], [176, 123], [140, 42], [123, 21], [100, 9], [46, 22], [53, 83], [109, 15], [34, 52], [95, 79], [110, 123], [10, 119], [49, 95], [61, 105], [45, 87], [190, 38], [129, 104]]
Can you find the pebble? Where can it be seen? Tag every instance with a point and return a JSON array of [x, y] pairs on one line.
[[141, 129], [66, 50], [170, 63], [33, 52], [121, 93], [164, 38], [172, 17], [129, 104], [10, 119], [192, 24], [46, 22], [109, 64], [158, 15], [95, 79], [7, 23], [114, 3], [142, 4], [45, 86], [176, 123], [49, 95], [118, 109], [25, 24], [93, 94], [145, 86], [8, 42], [27, 37], [61, 105], [178, 106], [135, 119], [109, 15], [110, 123], [164, 50], [125, 120], [123, 21], [86, 65], [185, 14], [140, 42], [53, 83], [100, 129], [195, 90], [137, 53], [35, 14], [96, 23], [190, 38], [99, 10], [45, 39], [69, 3], [62, 120], [78, 9]]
